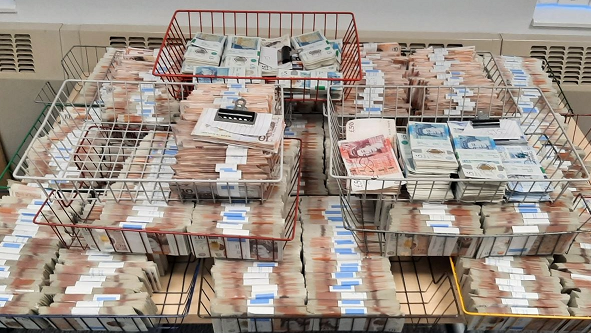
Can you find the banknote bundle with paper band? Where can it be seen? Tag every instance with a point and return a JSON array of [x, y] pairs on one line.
[[445, 225], [303, 87], [342, 283], [309, 129], [479, 159], [256, 291], [454, 69], [529, 72], [103, 286], [512, 285], [203, 50], [155, 222], [370, 156], [382, 65], [535, 221], [217, 222], [314, 50], [243, 52]]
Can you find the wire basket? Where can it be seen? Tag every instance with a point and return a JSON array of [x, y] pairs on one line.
[[95, 149], [267, 24], [80, 235], [173, 306], [78, 63], [425, 292], [551, 138]]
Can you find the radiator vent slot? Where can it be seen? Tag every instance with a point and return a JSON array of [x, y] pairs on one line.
[[570, 64], [16, 53], [139, 42]]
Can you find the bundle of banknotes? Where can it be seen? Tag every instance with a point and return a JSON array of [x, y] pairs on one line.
[[480, 160], [217, 227], [529, 228], [134, 64], [529, 72], [155, 223], [243, 52], [370, 156], [256, 296], [85, 93], [203, 50], [454, 70], [297, 84], [427, 152], [314, 50], [309, 129], [423, 229], [143, 103], [341, 282], [513, 285], [382, 65]]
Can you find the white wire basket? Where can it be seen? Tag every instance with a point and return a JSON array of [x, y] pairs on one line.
[[82, 149]]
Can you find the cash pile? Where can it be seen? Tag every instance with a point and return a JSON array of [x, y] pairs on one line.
[[142, 103], [529, 72], [314, 50], [454, 69], [260, 291], [106, 285], [343, 285], [134, 64], [309, 129], [382, 65], [86, 92], [427, 152], [203, 50], [152, 220], [521, 228], [243, 52], [369, 153], [512, 285], [478, 159], [28, 252], [269, 220], [433, 230]]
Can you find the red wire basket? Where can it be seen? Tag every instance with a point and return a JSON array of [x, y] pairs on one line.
[[69, 226], [267, 24]]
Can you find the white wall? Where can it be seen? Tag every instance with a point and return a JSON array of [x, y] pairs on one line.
[[492, 16]]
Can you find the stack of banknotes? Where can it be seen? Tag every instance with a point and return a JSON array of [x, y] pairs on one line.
[[152, 220], [134, 64], [137, 103], [309, 129], [370, 156], [427, 152], [203, 50], [107, 285], [524, 226], [86, 93], [480, 160], [297, 84], [252, 296], [275, 55], [314, 50], [211, 149], [512, 285], [27, 252], [382, 65], [342, 283], [524, 72], [433, 230], [217, 227], [243, 52], [457, 71]]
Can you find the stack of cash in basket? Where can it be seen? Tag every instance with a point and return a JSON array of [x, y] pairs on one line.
[[203, 50]]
